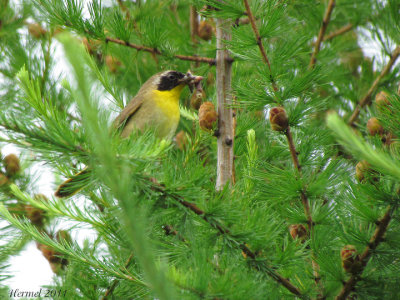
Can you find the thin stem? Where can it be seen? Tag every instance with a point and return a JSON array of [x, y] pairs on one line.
[[116, 281], [46, 67], [155, 51], [338, 32], [259, 41], [297, 165], [303, 197], [124, 9], [324, 26], [374, 242], [367, 98]]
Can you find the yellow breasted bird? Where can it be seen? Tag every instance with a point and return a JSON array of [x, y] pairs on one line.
[[156, 105]]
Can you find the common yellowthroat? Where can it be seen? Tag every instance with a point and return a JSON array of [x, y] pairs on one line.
[[155, 105]]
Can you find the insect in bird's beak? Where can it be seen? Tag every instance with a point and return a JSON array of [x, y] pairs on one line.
[[191, 80]]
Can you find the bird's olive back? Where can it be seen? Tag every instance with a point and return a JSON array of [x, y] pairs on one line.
[[169, 80]]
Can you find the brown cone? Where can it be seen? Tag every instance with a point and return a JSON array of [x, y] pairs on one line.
[[298, 231], [36, 30], [11, 163], [348, 255], [381, 99], [207, 116], [278, 118], [374, 127], [205, 30], [112, 63]]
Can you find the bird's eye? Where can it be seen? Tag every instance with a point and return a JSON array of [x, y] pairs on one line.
[[171, 77]]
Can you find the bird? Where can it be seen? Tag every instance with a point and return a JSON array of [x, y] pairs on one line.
[[156, 105]]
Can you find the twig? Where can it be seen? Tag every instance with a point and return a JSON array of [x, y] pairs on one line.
[[321, 33], [124, 9], [223, 230], [303, 197], [155, 51], [46, 68], [116, 281], [224, 106], [367, 98], [338, 32], [297, 165], [375, 240], [169, 230], [259, 42]]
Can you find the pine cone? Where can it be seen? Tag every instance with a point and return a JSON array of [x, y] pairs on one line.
[[3, 179], [207, 116], [112, 63], [298, 231], [381, 99], [349, 257], [35, 215], [278, 118], [36, 30], [57, 263], [374, 127], [11, 163], [91, 45], [364, 172], [205, 30]]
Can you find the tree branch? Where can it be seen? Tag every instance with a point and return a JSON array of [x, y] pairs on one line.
[[367, 98], [223, 230], [374, 242], [155, 51], [297, 165], [321, 33], [259, 42], [303, 197], [224, 102], [338, 32]]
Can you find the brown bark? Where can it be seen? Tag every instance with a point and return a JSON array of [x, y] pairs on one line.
[[224, 101]]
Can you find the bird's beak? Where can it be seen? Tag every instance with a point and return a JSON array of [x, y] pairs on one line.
[[191, 79]]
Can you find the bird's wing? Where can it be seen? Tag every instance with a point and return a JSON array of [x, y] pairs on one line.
[[129, 111]]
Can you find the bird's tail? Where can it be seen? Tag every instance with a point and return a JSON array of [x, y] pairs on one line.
[[74, 184]]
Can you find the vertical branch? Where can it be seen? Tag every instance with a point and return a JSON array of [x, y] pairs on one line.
[[324, 26], [305, 202], [303, 196], [194, 24], [224, 101]]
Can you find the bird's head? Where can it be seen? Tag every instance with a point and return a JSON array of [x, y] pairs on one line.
[[169, 80]]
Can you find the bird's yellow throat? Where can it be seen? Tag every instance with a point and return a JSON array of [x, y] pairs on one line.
[[168, 101]]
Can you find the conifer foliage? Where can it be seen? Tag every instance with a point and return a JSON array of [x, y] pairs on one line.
[[282, 181]]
